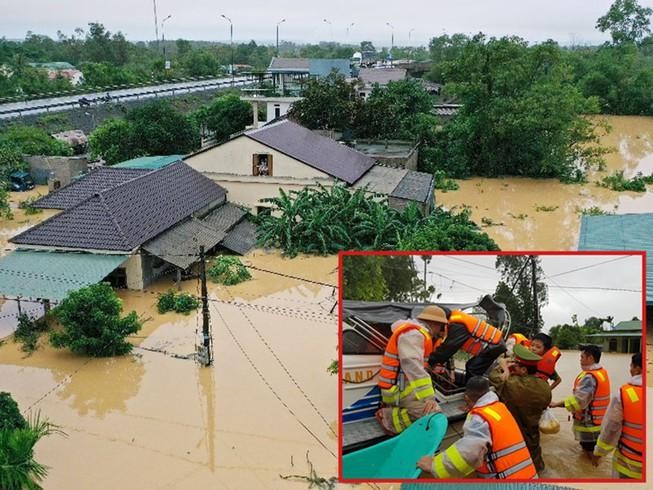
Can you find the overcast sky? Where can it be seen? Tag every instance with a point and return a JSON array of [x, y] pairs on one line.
[[464, 278], [535, 20]]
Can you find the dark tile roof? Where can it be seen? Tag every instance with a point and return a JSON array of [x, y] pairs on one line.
[[242, 238], [96, 181], [224, 218], [314, 150], [290, 64], [415, 186], [126, 216], [180, 244]]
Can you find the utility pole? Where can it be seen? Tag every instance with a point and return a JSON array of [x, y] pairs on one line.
[[278, 23], [392, 41], [205, 355], [156, 27], [166, 65], [231, 43], [536, 310]]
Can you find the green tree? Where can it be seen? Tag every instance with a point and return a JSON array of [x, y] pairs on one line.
[[18, 468], [30, 140], [328, 103], [521, 114], [227, 115], [626, 20], [363, 278], [516, 291], [113, 142], [443, 49], [157, 128], [11, 160], [402, 279], [10, 416], [566, 336], [92, 323]]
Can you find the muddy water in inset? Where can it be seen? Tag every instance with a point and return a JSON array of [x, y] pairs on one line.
[[149, 420], [528, 214]]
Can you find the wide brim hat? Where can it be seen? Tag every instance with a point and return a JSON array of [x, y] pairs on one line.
[[434, 314]]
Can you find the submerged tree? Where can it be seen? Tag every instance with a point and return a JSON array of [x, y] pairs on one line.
[[92, 323]]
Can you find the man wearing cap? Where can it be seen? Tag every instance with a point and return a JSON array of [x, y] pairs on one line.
[[590, 398], [406, 388], [525, 395], [462, 331]]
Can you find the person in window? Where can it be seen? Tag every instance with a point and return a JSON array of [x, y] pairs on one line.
[[263, 165]]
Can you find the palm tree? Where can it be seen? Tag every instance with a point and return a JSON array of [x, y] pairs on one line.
[[18, 468]]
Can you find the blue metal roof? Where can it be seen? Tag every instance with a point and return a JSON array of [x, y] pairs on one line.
[[153, 163], [323, 67], [621, 232], [52, 275]]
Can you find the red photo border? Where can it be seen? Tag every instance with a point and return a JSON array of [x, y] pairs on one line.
[[342, 254]]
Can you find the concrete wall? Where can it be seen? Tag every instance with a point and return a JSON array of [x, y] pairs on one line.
[[134, 270], [45, 169], [401, 204], [270, 112]]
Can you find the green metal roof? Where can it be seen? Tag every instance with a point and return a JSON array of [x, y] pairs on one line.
[[153, 163], [621, 232], [629, 325], [616, 334], [52, 275]]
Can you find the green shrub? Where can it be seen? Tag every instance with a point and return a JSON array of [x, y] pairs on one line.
[[28, 332], [31, 140], [617, 182], [28, 205], [444, 183], [11, 160], [92, 323], [228, 270], [178, 302], [10, 416]]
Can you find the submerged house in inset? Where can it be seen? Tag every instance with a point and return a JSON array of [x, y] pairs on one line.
[[129, 226]]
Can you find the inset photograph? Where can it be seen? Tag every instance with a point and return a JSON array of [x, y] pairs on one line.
[[492, 366]]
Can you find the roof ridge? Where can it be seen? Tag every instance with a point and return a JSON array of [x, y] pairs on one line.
[[146, 172], [113, 219]]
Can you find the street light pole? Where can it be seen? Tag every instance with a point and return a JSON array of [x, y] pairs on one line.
[[163, 41], [330, 28], [156, 27], [278, 23], [392, 40], [410, 48], [231, 42], [349, 27]]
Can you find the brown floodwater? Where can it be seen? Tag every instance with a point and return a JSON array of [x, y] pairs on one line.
[[529, 214]]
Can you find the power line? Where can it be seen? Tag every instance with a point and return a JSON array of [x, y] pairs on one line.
[[469, 262], [590, 266], [457, 281], [598, 288]]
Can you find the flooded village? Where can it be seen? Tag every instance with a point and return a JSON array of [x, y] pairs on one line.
[[171, 217]]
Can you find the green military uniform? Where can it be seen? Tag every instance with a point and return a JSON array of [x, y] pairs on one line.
[[526, 397]]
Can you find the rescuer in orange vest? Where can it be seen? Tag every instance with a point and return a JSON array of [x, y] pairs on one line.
[[622, 430], [481, 340], [542, 345], [516, 339], [492, 443], [590, 398], [406, 388]]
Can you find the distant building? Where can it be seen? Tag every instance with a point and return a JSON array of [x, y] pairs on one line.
[[284, 155], [625, 337], [289, 74], [276, 107], [61, 69], [371, 77]]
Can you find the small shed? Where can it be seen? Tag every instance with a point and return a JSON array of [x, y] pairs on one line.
[[625, 337]]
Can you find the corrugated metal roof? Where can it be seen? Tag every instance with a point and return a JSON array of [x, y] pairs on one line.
[[621, 232], [415, 186], [314, 150], [628, 325], [241, 239], [616, 334], [98, 180], [52, 275], [382, 180], [152, 163], [180, 244], [128, 215], [323, 67], [290, 64], [222, 219], [382, 76]]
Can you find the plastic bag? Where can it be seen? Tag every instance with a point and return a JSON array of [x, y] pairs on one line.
[[549, 423]]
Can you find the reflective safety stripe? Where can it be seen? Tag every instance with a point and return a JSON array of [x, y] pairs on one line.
[[633, 426], [625, 471], [491, 412], [631, 438], [504, 474], [582, 428], [571, 404], [478, 324], [631, 462], [632, 395], [600, 375], [596, 398], [555, 353], [425, 392], [604, 445], [458, 461], [438, 467], [390, 381], [391, 355], [508, 450]]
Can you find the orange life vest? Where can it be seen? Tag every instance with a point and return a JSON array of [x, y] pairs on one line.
[[631, 442], [508, 458], [520, 339], [599, 404], [482, 333], [547, 366], [390, 363]]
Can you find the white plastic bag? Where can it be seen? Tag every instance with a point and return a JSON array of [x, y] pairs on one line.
[[549, 423]]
